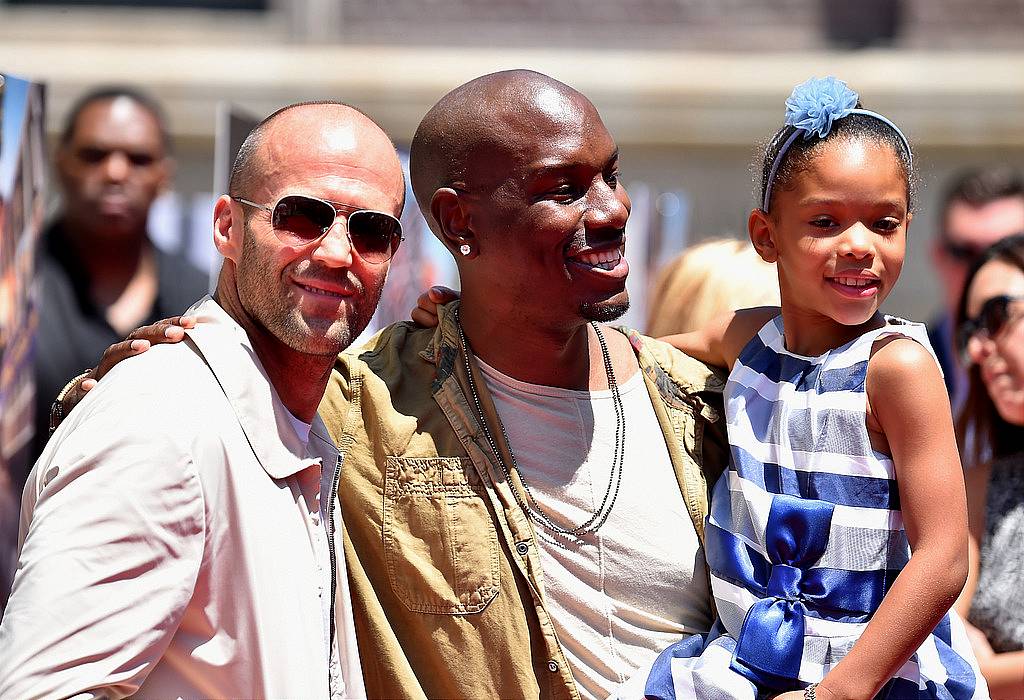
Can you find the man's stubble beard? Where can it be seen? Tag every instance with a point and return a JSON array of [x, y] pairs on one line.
[[605, 311], [284, 320]]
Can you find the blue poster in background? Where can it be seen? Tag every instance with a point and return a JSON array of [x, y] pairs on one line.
[[22, 204]]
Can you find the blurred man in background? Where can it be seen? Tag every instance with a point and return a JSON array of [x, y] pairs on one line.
[[981, 207], [100, 276]]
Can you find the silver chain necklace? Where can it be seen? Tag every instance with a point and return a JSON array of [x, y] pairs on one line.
[[531, 507]]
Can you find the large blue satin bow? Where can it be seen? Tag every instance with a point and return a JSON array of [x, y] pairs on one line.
[[770, 644]]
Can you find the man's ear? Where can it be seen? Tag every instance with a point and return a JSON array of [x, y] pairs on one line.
[[762, 235], [227, 229], [448, 210]]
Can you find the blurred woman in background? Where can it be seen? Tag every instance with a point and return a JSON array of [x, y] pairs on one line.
[[990, 336], [707, 280]]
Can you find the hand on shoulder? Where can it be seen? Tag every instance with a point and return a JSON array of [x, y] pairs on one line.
[[425, 311], [168, 330]]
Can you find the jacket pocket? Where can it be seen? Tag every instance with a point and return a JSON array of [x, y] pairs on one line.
[[440, 544]]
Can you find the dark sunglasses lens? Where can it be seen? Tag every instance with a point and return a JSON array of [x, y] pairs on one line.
[[375, 235], [993, 315], [302, 218]]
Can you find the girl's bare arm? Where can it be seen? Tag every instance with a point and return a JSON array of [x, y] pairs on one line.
[[908, 403], [721, 341]]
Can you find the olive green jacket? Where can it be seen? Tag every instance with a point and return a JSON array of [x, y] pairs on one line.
[[443, 565]]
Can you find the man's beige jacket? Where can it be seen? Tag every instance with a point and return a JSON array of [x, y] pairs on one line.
[[444, 568]]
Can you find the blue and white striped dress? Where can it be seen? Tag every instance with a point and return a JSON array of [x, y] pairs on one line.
[[805, 536]]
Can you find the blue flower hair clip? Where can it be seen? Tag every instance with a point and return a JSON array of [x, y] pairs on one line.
[[816, 103], [812, 108]]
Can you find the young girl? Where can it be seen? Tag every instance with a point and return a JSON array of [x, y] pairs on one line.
[[843, 456]]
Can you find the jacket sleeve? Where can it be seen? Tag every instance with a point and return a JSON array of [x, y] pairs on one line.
[[112, 539]]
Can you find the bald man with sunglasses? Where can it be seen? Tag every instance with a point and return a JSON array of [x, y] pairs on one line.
[[180, 535]]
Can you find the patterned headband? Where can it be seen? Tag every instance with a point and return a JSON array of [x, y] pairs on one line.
[[811, 109]]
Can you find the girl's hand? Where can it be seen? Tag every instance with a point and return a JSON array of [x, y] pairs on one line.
[[820, 692], [425, 313]]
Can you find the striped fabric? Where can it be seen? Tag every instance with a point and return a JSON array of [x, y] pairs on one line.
[[805, 536]]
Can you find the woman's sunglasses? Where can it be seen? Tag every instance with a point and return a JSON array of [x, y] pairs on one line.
[[992, 318], [299, 219]]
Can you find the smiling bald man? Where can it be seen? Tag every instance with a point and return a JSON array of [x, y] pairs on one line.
[[529, 480], [180, 535]]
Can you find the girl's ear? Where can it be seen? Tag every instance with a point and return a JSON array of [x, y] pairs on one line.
[[762, 235]]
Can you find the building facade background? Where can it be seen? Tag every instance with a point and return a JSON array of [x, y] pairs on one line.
[[687, 87]]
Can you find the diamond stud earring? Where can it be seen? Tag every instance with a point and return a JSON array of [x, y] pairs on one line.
[[465, 249]]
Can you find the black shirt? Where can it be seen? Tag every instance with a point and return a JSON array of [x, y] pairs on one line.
[[72, 333]]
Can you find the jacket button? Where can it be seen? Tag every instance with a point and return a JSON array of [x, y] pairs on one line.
[[523, 548], [553, 666]]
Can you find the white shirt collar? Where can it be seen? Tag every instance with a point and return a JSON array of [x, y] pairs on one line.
[[264, 419]]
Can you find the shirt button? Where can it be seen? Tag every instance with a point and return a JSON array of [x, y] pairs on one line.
[[553, 666], [523, 548]]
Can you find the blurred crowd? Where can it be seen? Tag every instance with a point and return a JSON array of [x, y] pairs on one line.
[[100, 276]]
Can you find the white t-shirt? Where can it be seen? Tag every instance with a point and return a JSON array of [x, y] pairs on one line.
[[346, 674], [302, 429], [622, 594]]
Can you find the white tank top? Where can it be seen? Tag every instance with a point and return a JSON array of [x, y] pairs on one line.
[[622, 594]]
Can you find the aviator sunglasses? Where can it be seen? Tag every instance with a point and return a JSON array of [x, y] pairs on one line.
[[993, 317], [300, 219]]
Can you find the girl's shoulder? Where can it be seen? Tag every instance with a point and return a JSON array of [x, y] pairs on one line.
[[911, 347], [901, 354], [749, 322], [906, 396], [744, 325], [755, 318]]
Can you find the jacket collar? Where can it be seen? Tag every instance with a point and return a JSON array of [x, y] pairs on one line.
[[262, 416], [677, 376], [443, 350]]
